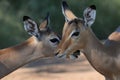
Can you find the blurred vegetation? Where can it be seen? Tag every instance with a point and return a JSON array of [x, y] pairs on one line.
[[11, 12]]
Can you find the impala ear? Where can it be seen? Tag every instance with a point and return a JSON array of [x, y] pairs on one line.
[[118, 29], [68, 14], [89, 15], [30, 26], [44, 25]]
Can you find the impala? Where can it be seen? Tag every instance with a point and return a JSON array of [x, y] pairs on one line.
[[41, 45], [77, 35], [113, 37]]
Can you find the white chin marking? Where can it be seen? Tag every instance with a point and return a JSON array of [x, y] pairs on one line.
[[61, 56], [72, 57]]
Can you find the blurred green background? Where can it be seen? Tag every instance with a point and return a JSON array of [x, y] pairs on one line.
[[11, 12]]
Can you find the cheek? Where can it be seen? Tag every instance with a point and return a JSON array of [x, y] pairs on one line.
[[65, 46], [81, 43], [48, 50], [74, 45], [49, 53]]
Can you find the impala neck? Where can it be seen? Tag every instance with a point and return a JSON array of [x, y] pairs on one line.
[[96, 53], [17, 56]]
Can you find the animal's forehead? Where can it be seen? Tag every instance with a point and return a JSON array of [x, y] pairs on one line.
[[76, 21], [45, 32], [72, 25], [49, 35], [54, 35], [69, 29]]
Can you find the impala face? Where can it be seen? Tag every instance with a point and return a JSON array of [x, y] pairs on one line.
[[75, 30], [47, 40]]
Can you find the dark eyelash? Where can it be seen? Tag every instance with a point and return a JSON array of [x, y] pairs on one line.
[[54, 40], [75, 34]]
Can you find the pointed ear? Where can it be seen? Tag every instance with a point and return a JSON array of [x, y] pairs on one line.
[[45, 23], [68, 14], [118, 29], [89, 15], [30, 26]]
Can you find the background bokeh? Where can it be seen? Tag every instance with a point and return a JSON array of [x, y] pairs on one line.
[[11, 12]]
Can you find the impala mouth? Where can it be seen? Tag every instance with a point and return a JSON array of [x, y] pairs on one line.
[[60, 55], [75, 55]]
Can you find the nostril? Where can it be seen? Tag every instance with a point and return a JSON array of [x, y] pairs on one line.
[[60, 55], [56, 53]]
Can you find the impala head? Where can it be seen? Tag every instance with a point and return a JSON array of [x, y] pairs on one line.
[[75, 30], [47, 40]]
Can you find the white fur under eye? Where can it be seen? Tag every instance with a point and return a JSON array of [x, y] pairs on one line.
[[54, 44], [74, 31]]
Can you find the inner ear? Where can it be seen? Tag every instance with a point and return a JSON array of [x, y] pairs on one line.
[[30, 26], [44, 25], [67, 12], [89, 15]]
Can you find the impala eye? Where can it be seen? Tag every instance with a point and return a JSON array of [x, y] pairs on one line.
[[76, 34], [54, 40]]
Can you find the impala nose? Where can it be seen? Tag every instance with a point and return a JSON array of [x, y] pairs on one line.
[[72, 56], [56, 53], [59, 55]]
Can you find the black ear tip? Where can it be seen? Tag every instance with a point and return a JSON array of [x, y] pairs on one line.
[[93, 7], [64, 4], [25, 18], [47, 16]]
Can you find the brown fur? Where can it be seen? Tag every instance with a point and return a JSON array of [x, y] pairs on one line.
[[105, 59], [36, 47]]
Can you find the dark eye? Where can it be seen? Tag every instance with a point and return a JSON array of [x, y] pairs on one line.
[[75, 34], [54, 40]]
